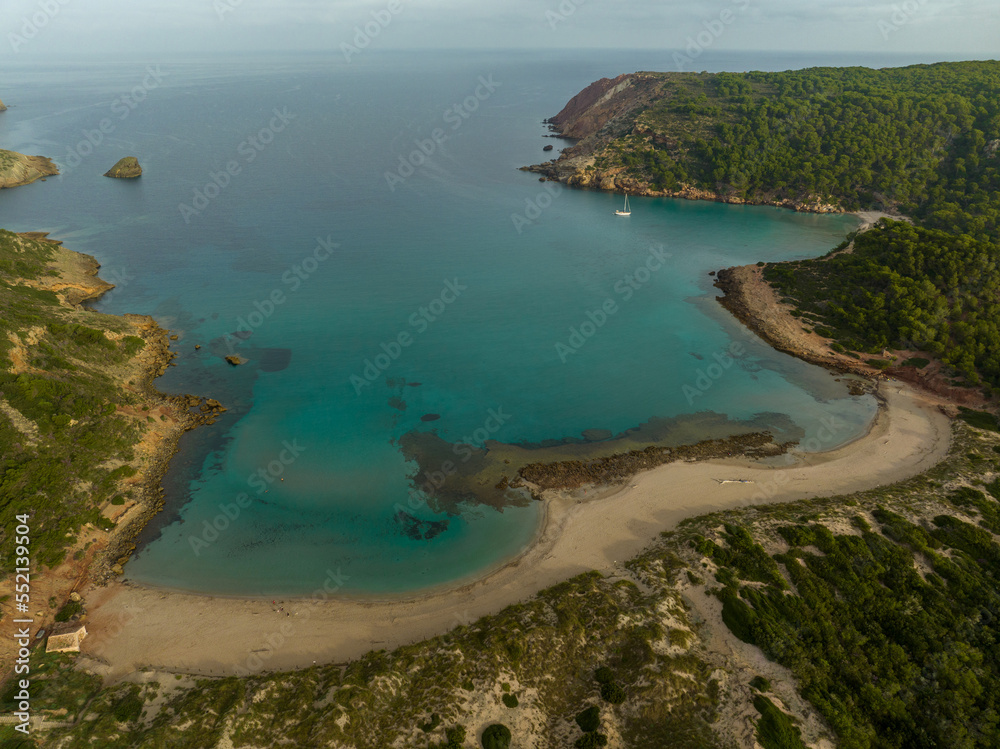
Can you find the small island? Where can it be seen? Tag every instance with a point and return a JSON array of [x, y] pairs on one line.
[[126, 168]]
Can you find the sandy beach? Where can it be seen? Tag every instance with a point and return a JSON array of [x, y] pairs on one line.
[[134, 628]]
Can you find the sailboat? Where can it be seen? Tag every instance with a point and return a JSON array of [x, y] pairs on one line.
[[625, 211]]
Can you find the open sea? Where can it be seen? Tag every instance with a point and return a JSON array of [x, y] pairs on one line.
[[361, 234]]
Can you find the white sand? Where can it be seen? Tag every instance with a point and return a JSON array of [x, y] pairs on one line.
[[133, 627]]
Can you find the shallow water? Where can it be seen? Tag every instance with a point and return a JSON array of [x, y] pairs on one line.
[[465, 298]]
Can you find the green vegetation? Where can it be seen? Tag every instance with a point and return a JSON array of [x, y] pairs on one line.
[[67, 612], [550, 645], [775, 730], [496, 736], [60, 443], [510, 700], [590, 719], [921, 138], [979, 419], [454, 738], [591, 740], [907, 287], [604, 675], [890, 629], [884, 605], [612, 693], [430, 725], [923, 141]]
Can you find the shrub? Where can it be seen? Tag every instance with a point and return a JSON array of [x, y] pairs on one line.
[[496, 736], [430, 725], [979, 419], [128, 708], [604, 675], [760, 684], [67, 612], [590, 719], [775, 730], [454, 738], [612, 693], [591, 741], [510, 700]]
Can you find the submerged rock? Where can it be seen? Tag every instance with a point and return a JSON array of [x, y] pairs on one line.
[[417, 529], [127, 168], [235, 360]]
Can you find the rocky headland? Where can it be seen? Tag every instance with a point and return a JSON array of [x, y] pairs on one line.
[[17, 169], [609, 118]]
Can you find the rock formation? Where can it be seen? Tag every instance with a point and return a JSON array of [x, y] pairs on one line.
[[3, 107], [127, 168], [16, 169]]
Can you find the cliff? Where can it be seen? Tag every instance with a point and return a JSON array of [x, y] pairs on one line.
[[605, 101], [16, 169]]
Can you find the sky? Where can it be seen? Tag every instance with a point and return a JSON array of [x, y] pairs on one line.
[[952, 29]]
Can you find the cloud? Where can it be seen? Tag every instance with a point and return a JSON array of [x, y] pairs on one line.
[[162, 27]]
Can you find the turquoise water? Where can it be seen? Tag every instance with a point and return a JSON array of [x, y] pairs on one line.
[[322, 267]]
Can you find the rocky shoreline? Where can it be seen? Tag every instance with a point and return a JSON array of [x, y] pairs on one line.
[[152, 467], [75, 280], [603, 112], [618, 468], [573, 174], [17, 169]]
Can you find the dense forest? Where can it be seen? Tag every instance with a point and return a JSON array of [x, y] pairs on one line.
[[921, 139], [909, 288]]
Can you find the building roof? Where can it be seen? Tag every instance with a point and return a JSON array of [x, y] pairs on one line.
[[66, 638]]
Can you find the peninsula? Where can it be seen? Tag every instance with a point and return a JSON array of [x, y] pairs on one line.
[[16, 169]]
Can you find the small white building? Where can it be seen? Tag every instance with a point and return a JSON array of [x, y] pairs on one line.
[[66, 638]]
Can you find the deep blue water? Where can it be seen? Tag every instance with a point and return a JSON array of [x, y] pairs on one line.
[[310, 248]]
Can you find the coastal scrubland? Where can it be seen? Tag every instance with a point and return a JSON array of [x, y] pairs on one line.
[[63, 448], [878, 614]]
